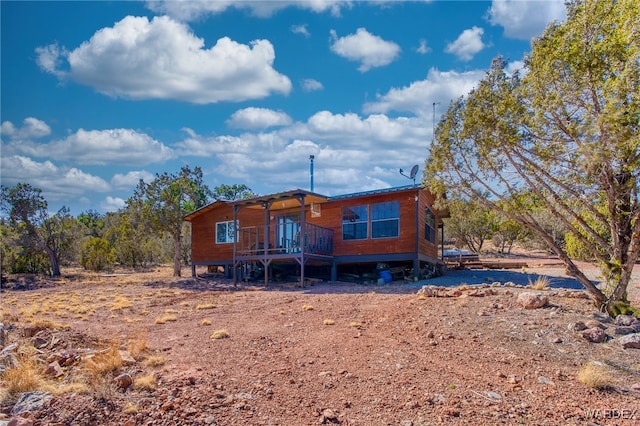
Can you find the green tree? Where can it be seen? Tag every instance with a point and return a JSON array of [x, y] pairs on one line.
[[94, 221], [470, 224], [167, 199], [28, 213], [97, 254], [232, 192], [561, 137]]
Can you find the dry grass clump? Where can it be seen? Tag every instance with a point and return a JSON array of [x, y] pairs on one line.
[[208, 305], [137, 344], [220, 334], [205, 322], [328, 322], [307, 308], [595, 375], [356, 324], [147, 382], [166, 318], [541, 283], [105, 363], [130, 408], [22, 377], [154, 361], [121, 302]]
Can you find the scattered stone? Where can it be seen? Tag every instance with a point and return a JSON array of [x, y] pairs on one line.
[[626, 320], [630, 341], [577, 326], [31, 401], [328, 416], [126, 357], [3, 336], [494, 395], [545, 381], [40, 342], [529, 300], [31, 330], [124, 380], [555, 339], [594, 335], [594, 323], [54, 370], [20, 421], [454, 293], [624, 329], [512, 379]]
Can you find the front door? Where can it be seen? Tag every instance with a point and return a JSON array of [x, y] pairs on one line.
[[288, 232]]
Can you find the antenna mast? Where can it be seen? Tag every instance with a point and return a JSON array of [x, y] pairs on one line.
[[311, 157]]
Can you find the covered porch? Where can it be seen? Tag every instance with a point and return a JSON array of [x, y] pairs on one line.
[[285, 236]]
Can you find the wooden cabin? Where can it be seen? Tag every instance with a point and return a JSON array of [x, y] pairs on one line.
[[306, 234]]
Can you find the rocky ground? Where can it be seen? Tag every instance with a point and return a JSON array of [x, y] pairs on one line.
[[147, 349]]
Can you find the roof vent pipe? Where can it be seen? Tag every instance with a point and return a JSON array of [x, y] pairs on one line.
[[311, 157]]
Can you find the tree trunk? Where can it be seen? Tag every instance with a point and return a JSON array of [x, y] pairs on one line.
[[55, 263], [177, 240]]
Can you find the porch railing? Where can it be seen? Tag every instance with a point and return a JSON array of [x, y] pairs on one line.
[[288, 238]]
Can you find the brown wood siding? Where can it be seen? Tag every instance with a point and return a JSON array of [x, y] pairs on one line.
[[204, 247]]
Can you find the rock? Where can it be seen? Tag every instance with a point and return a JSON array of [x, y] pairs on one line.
[[454, 293], [545, 381], [20, 421], [630, 341], [31, 401], [328, 416], [622, 330], [54, 370], [3, 336], [577, 326], [529, 300], [31, 330], [126, 357], [40, 342], [124, 380], [626, 320], [594, 335], [594, 323]]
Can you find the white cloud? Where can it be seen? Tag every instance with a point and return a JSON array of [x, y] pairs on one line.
[[300, 29], [258, 118], [311, 85], [418, 98], [190, 10], [131, 179], [163, 59], [100, 147], [368, 49], [57, 183], [467, 44], [32, 129], [423, 48], [112, 204], [525, 19]]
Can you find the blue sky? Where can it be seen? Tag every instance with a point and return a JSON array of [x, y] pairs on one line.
[[97, 95]]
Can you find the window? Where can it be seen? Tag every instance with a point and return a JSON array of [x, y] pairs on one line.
[[429, 225], [355, 221], [385, 220], [225, 232]]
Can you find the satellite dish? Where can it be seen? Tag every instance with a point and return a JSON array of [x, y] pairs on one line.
[[414, 172]]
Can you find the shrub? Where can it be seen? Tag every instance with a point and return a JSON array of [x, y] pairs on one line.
[[97, 255]]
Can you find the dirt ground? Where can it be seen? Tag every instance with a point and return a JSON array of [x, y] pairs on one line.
[[206, 353]]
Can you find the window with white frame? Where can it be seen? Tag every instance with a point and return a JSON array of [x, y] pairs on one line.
[[385, 219], [225, 232]]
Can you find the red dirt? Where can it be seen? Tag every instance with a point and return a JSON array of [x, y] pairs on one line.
[[331, 353]]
